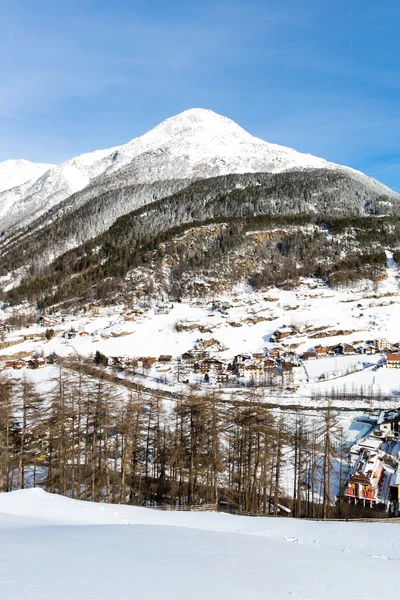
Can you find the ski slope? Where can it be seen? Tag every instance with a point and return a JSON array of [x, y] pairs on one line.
[[59, 549]]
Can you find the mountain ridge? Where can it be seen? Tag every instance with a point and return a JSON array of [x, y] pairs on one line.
[[197, 143], [16, 172]]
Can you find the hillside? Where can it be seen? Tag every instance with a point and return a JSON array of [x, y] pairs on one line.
[[99, 551], [148, 254]]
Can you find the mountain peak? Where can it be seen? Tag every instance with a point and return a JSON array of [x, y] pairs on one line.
[[198, 120], [15, 172]]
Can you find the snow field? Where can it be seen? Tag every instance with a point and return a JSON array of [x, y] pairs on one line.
[[58, 549]]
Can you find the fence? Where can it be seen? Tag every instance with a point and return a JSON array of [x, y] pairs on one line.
[[216, 508], [186, 507]]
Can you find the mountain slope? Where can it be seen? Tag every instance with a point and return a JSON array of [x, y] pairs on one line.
[[195, 144], [14, 173]]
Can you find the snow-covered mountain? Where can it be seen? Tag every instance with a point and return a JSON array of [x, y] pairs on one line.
[[14, 173], [195, 144]]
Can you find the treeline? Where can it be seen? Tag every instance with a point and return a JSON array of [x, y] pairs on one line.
[[219, 253], [87, 438], [138, 241]]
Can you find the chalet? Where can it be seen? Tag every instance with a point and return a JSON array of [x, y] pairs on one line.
[[200, 354], [393, 361], [275, 353], [269, 365], [223, 376], [254, 370], [15, 364], [188, 358], [240, 358], [284, 332], [83, 334], [395, 483], [69, 335], [370, 349], [183, 369], [258, 356], [389, 423], [128, 318], [146, 362], [36, 363], [347, 349], [46, 321], [321, 350], [368, 474], [310, 355], [212, 365], [165, 359], [116, 361]]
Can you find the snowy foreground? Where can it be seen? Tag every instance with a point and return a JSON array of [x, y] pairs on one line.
[[54, 548]]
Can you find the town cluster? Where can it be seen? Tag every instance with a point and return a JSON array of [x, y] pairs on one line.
[[200, 365], [203, 364]]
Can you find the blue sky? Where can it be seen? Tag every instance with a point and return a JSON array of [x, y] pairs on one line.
[[319, 76]]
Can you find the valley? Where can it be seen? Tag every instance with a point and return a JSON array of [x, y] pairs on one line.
[[200, 316]]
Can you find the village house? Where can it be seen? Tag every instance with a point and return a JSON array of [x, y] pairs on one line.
[[269, 365], [284, 332], [165, 359], [389, 423], [240, 358], [310, 355], [375, 477], [393, 361], [370, 349], [95, 310], [200, 354], [116, 361], [183, 369], [252, 370], [36, 363], [382, 345], [69, 335], [188, 358], [146, 362], [321, 350], [275, 353], [212, 365], [347, 349], [15, 364], [223, 376]]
